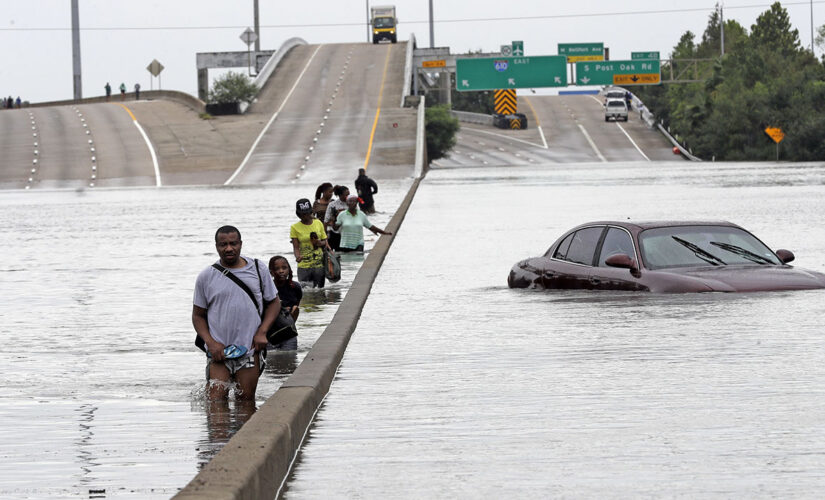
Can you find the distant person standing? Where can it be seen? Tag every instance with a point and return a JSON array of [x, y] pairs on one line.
[[122, 91], [366, 187], [137, 91], [18, 102], [108, 91]]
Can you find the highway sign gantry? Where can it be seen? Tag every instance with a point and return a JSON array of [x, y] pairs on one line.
[[641, 72], [576, 52], [492, 73], [506, 102]]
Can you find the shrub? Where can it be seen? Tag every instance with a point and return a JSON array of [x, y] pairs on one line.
[[441, 127], [232, 87]]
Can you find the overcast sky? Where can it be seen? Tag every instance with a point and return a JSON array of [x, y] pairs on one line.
[[119, 38]]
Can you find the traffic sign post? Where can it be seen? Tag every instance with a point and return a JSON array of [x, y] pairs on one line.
[[639, 72], [154, 68], [491, 73], [777, 135], [576, 52], [249, 37], [644, 55]]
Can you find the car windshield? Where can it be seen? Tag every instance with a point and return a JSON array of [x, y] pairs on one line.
[[383, 22], [689, 246]]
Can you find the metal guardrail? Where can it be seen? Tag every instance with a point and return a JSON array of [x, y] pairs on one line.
[[405, 91], [648, 118], [478, 118]]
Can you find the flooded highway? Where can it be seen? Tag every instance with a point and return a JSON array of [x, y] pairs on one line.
[[455, 386], [102, 387]]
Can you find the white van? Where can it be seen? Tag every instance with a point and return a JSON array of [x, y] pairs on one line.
[[616, 109]]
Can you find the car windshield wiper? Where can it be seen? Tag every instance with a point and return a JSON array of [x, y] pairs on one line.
[[699, 252], [753, 257]]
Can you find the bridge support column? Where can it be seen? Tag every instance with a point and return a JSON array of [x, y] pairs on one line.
[[203, 84]]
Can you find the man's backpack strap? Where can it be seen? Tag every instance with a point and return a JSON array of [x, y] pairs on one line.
[[226, 272]]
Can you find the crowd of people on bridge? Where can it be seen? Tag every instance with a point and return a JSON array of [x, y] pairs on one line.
[[239, 312], [10, 102]]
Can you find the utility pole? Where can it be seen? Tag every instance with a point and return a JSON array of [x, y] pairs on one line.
[[77, 79], [369, 28], [812, 27], [257, 28], [432, 38], [722, 26]]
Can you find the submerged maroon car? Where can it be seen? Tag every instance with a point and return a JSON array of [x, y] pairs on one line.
[[662, 257]]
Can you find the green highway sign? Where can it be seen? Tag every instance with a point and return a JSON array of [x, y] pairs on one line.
[[640, 72], [644, 55], [491, 73], [576, 52], [518, 48]]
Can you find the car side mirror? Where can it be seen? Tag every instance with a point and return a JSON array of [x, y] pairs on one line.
[[785, 256], [622, 261]]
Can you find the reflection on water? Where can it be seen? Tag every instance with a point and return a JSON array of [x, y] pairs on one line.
[[454, 386], [102, 388]]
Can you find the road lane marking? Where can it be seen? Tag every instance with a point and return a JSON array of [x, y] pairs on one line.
[[148, 144], [502, 136], [592, 144], [269, 123], [378, 111], [632, 142], [625, 132], [538, 123]]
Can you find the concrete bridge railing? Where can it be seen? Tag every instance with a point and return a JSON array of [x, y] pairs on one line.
[[169, 95]]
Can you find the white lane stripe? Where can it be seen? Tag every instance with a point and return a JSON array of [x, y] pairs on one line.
[[500, 135], [592, 144], [632, 141], [543, 140], [151, 152], [269, 123]]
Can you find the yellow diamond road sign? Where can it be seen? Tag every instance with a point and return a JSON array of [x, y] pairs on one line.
[[776, 134]]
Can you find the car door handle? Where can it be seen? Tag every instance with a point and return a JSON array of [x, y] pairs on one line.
[[595, 281]]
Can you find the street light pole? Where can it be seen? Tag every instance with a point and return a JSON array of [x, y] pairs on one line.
[[812, 27], [432, 38], [367, 2], [257, 28]]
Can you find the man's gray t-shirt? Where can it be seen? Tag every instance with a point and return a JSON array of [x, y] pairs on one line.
[[230, 312]]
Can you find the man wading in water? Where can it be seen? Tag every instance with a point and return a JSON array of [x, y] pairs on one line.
[[226, 316]]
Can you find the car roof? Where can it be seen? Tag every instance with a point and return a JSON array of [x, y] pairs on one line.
[[650, 224]]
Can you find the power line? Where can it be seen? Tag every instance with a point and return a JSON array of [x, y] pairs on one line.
[[426, 21]]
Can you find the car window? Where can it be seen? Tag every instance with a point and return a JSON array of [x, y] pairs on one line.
[[684, 246], [561, 251], [617, 241], [615, 104], [583, 245]]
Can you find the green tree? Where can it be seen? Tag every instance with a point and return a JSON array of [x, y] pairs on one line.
[[441, 128], [232, 87], [773, 32]]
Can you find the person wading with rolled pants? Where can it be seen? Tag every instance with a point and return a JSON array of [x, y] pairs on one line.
[[224, 314]]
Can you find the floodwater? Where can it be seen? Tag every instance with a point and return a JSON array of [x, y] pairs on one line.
[[454, 386], [101, 392]]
